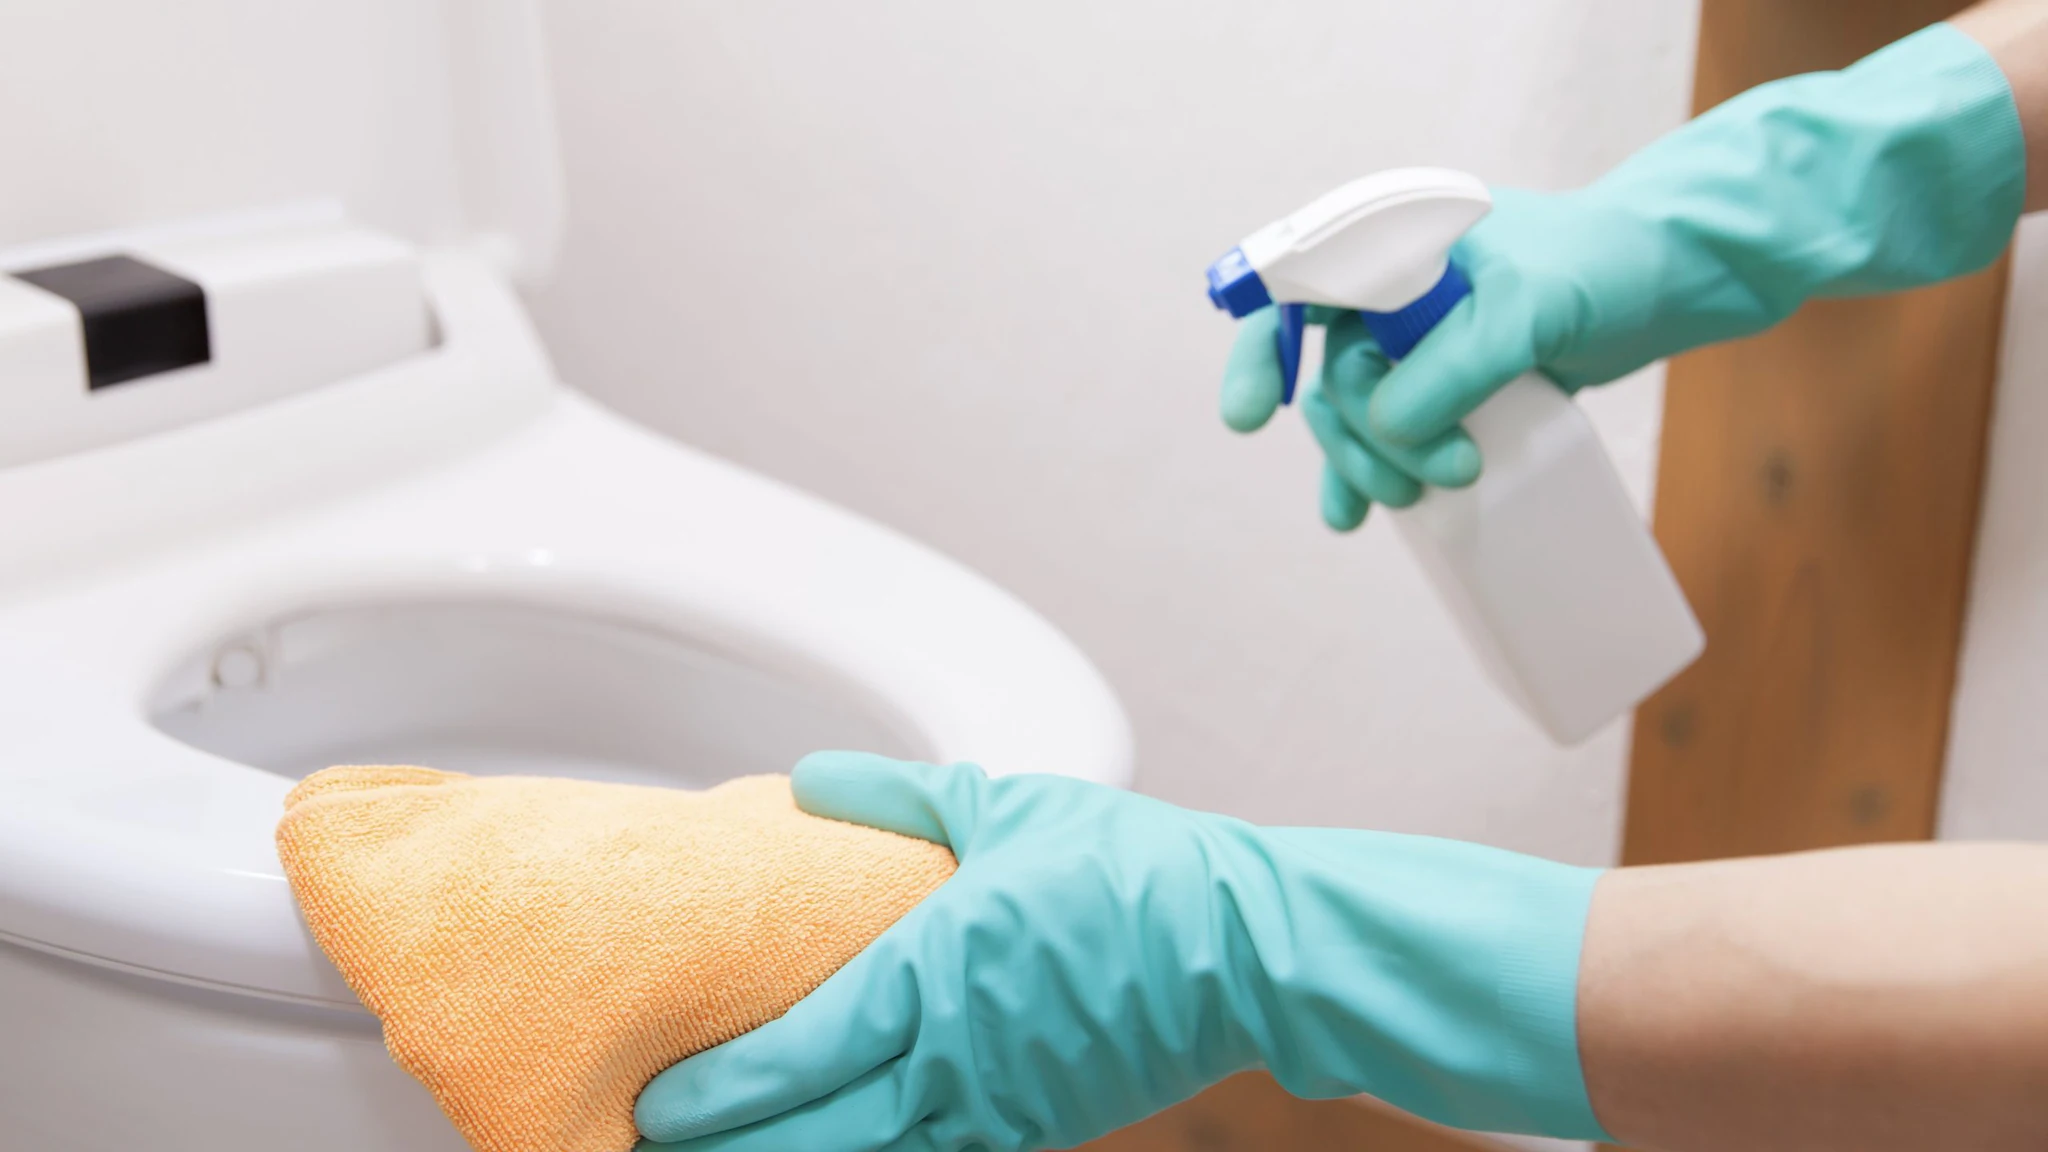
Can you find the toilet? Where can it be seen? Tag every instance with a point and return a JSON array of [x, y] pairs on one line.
[[371, 525]]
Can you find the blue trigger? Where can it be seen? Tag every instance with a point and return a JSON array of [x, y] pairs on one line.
[[1288, 339]]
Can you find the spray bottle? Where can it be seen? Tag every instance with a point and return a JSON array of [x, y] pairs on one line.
[[1553, 578]]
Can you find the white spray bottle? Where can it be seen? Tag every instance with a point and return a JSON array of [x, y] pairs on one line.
[[1554, 579]]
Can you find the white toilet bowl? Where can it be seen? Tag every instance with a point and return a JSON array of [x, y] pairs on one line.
[[450, 561]]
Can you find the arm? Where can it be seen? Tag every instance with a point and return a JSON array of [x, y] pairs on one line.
[[1905, 169], [1862, 999], [2015, 32], [1100, 955]]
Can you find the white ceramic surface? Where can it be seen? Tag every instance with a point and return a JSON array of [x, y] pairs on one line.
[[383, 539], [123, 844]]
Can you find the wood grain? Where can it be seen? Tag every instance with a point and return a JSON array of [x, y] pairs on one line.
[[1251, 1113], [1817, 495]]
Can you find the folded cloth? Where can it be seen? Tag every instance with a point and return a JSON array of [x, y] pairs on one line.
[[538, 949]]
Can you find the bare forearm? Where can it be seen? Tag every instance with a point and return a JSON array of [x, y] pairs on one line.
[[1859, 1000], [2016, 34]]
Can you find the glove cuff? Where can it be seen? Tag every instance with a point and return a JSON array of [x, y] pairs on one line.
[[1439, 976], [1905, 169], [1974, 150], [1538, 988]]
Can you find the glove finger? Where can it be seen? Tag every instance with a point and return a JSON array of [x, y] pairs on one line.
[[1343, 508], [941, 803], [1353, 367], [1252, 384], [1365, 470], [1447, 461], [872, 1113], [1469, 357], [861, 1019]]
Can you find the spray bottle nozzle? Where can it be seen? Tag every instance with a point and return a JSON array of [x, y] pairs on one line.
[[1235, 287], [1379, 245]]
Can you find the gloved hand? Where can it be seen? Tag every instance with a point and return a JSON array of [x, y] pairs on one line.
[[1903, 170], [1100, 955]]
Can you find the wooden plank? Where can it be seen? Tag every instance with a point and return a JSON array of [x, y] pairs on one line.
[[1817, 495], [1251, 1113]]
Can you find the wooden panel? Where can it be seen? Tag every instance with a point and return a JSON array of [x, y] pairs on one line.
[[1251, 1113], [1817, 495]]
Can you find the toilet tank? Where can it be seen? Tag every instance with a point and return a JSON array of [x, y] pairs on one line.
[[354, 187], [213, 206]]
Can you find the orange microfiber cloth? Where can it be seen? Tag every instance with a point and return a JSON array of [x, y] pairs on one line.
[[539, 949]]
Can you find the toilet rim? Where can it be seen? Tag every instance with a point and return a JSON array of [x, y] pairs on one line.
[[974, 672]]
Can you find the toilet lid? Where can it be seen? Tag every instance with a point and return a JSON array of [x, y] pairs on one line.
[[429, 119], [121, 846]]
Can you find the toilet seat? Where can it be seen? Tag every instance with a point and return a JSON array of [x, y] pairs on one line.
[[123, 847]]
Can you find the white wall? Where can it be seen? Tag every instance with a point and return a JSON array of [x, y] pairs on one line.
[[123, 114], [943, 262], [1997, 776]]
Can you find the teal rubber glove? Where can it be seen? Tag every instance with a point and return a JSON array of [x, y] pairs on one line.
[[1100, 955], [1906, 169]]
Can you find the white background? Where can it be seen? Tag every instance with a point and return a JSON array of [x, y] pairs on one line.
[[943, 262]]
